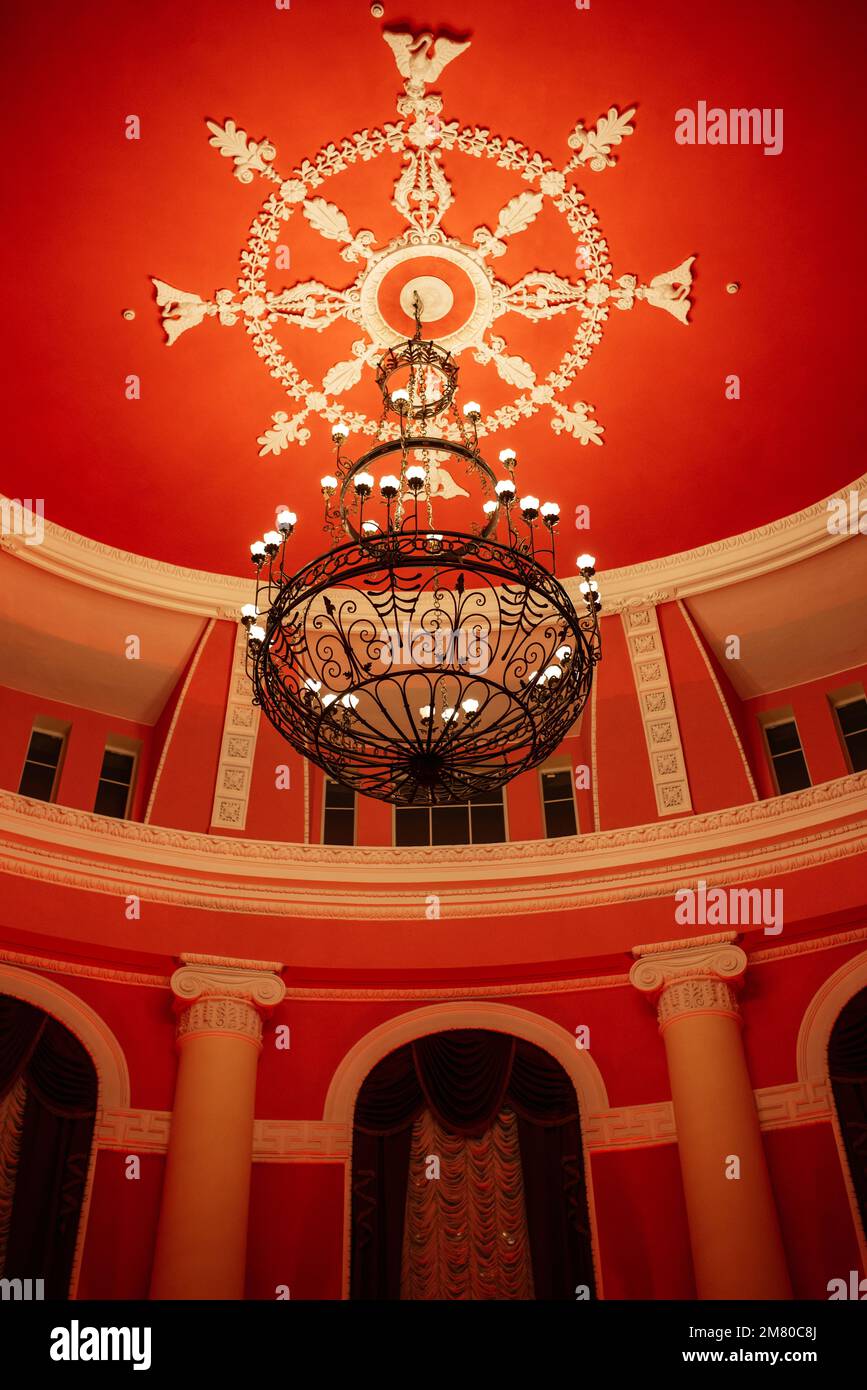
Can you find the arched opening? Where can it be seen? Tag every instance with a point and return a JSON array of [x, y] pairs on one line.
[[847, 1069], [468, 1177], [48, 1101]]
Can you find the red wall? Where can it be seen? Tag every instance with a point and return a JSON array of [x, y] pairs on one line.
[[85, 745], [817, 726], [714, 764]]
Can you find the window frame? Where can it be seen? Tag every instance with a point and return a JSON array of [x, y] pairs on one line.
[[325, 808], [838, 699], [772, 719], [127, 748], [53, 728], [462, 844], [558, 766]]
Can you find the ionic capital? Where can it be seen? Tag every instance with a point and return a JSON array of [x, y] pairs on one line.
[[691, 978], [215, 994]]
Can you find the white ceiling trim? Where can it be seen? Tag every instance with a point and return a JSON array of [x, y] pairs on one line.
[[728, 561]]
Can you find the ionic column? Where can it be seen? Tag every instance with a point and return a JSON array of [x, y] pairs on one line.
[[202, 1233], [737, 1249]]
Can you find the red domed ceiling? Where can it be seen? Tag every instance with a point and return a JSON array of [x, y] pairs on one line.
[[177, 474]]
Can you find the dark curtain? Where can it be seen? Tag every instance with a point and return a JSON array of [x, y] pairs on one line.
[[55, 1142], [465, 1077], [847, 1065]]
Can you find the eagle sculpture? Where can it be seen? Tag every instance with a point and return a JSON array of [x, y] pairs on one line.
[[417, 61]]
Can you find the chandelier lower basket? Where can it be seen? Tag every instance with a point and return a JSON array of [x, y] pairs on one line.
[[422, 670]]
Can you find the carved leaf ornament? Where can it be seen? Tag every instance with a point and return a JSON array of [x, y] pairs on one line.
[[423, 195]]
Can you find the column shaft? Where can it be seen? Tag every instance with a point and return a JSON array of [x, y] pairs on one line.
[[202, 1234], [734, 1230]]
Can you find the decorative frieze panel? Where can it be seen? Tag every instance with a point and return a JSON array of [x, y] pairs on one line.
[[630, 1127], [275, 1141], [238, 747], [134, 1131], [658, 715]]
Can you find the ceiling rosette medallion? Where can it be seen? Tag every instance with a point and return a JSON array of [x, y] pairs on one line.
[[463, 298]]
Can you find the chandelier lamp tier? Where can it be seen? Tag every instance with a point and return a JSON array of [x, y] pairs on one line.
[[417, 661]]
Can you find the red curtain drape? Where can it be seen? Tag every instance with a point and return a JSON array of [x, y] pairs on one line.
[[465, 1077], [59, 1111]]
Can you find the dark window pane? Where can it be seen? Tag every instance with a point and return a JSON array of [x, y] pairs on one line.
[[450, 825], [117, 767], [338, 795], [783, 738], [857, 746], [488, 824], [560, 818], [339, 827], [792, 774], [44, 748], [37, 780], [111, 799], [411, 825], [557, 786], [491, 798], [853, 716]]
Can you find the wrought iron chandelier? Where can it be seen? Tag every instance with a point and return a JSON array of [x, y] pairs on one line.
[[414, 664]]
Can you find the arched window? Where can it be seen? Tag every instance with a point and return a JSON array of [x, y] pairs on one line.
[[468, 1175], [48, 1097], [847, 1068]]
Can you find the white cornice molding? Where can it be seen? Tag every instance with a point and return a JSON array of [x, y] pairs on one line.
[[805, 830], [844, 799], [728, 561]]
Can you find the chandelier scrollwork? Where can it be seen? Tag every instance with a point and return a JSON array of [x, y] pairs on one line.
[[414, 664]]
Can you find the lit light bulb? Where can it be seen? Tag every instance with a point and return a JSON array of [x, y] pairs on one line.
[[339, 432], [491, 507], [530, 506], [257, 633], [389, 486], [349, 701], [273, 540], [257, 549], [469, 706], [449, 714], [415, 476], [286, 519], [328, 483], [563, 653], [505, 488], [400, 398], [550, 511], [552, 673], [369, 527], [312, 685], [328, 699], [425, 711], [507, 456], [363, 482], [249, 611], [586, 562], [472, 409], [591, 588]]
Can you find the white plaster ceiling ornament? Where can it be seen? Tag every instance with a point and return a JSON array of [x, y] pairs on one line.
[[463, 299]]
